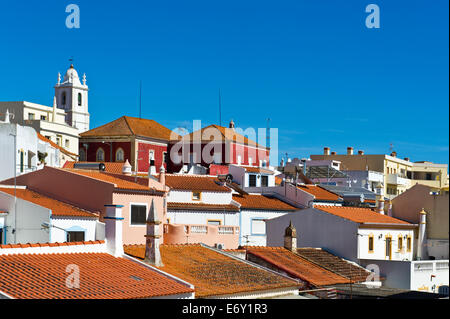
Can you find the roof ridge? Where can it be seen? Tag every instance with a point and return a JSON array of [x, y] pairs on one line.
[[128, 124], [56, 244]]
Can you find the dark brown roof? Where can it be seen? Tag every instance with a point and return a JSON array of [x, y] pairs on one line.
[[334, 264]]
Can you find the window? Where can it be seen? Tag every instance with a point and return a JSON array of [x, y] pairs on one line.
[[43, 118], [252, 180], [59, 140], [264, 180], [389, 247], [21, 161], [165, 159], [67, 143], [138, 214], [100, 155], [75, 236], [408, 243], [63, 98], [119, 155], [82, 154], [31, 116], [151, 157], [370, 243], [215, 222], [79, 99], [258, 227], [400, 243], [196, 195]]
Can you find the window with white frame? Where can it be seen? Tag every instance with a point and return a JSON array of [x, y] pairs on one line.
[[251, 180], [258, 227], [138, 214], [119, 155]]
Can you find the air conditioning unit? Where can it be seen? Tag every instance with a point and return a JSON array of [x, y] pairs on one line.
[[219, 246]]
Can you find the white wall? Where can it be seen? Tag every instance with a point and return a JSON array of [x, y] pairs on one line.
[[88, 225], [379, 252], [202, 217], [422, 272], [178, 196], [246, 229]]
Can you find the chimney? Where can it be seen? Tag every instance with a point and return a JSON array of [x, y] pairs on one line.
[[126, 169], [380, 206], [326, 151], [162, 175], [153, 237], [6, 116], [406, 159], [113, 230], [389, 207], [421, 245], [394, 154], [231, 125], [349, 150], [333, 153], [290, 238], [360, 152]]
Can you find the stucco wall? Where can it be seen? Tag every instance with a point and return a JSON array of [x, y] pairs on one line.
[[246, 226]]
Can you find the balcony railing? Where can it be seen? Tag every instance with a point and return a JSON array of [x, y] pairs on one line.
[[210, 235]]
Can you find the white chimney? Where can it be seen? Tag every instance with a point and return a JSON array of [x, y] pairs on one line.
[[349, 150], [326, 151], [153, 237], [113, 230], [421, 245], [126, 169], [162, 175]]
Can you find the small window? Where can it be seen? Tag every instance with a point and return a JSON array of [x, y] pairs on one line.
[[67, 143], [80, 99], [370, 243], [196, 195], [63, 98], [400, 243], [59, 140], [408, 243], [215, 222], [252, 180], [43, 117], [151, 157], [31, 116], [264, 181], [75, 236], [138, 214], [119, 155], [100, 156], [258, 227]]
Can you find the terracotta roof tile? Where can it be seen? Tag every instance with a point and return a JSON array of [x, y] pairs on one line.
[[335, 264], [195, 183], [110, 167], [360, 215], [202, 207], [297, 266], [119, 180], [90, 242], [255, 169], [213, 273], [132, 126], [102, 276], [320, 193], [262, 202], [57, 207]]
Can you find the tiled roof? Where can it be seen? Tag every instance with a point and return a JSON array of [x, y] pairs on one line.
[[296, 266], [72, 243], [117, 179], [320, 193], [218, 133], [110, 167], [43, 138], [360, 215], [213, 273], [334, 263], [131, 126], [102, 276], [57, 207], [255, 169], [195, 183], [262, 202], [202, 207]]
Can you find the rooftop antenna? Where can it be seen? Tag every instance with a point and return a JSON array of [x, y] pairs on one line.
[[140, 99], [220, 109], [391, 147]]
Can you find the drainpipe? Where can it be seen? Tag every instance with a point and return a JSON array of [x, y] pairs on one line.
[[421, 239]]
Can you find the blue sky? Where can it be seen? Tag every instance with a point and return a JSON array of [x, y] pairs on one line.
[[312, 67]]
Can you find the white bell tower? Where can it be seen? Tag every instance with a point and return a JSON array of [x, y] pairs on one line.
[[72, 96]]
